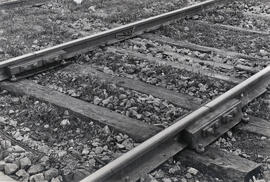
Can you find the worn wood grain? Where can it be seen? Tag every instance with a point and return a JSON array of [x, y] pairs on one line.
[[138, 130], [196, 47], [195, 69], [221, 164], [233, 28], [258, 126], [181, 100], [192, 60]]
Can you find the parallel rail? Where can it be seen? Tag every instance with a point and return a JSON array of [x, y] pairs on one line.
[[29, 62]]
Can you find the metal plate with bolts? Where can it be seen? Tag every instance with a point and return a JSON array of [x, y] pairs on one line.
[[213, 125]]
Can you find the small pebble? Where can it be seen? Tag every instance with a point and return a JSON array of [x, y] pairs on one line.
[[192, 171]]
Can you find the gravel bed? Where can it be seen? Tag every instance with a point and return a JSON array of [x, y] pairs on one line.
[[159, 75], [72, 146], [173, 54], [176, 171], [195, 32], [253, 6], [27, 29], [128, 102]]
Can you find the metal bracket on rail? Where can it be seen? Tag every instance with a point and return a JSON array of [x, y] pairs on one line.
[[125, 33], [213, 125], [28, 68]]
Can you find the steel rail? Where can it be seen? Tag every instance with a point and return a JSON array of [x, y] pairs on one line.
[[18, 3], [108, 172], [82, 45]]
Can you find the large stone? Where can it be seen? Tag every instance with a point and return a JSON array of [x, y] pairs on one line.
[[37, 178], [10, 159], [17, 149], [22, 174], [25, 163], [34, 169], [193, 171], [51, 173], [11, 168]]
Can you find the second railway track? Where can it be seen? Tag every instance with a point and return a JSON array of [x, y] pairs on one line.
[[168, 87]]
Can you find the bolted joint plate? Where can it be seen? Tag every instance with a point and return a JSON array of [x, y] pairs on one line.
[[213, 125], [27, 68]]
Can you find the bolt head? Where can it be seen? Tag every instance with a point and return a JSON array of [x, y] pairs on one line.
[[13, 78], [245, 118], [200, 148]]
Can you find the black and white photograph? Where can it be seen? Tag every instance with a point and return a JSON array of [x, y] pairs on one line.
[[134, 90]]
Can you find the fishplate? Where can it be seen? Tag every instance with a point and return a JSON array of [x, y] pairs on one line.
[[125, 34], [37, 65], [213, 125]]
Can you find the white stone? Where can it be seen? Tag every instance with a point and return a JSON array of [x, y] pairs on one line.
[[65, 122], [58, 179], [62, 153], [192, 171], [85, 151], [97, 100], [17, 149]]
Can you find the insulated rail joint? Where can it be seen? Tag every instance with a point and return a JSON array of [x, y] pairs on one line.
[[214, 124]]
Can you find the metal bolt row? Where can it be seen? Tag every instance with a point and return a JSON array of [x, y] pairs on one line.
[[221, 121]]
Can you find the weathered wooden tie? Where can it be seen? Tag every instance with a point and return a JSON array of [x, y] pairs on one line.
[[196, 70], [221, 164], [196, 47], [182, 100], [257, 125], [138, 130], [234, 28]]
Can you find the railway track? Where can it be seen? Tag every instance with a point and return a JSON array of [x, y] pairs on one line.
[[143, 63]]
